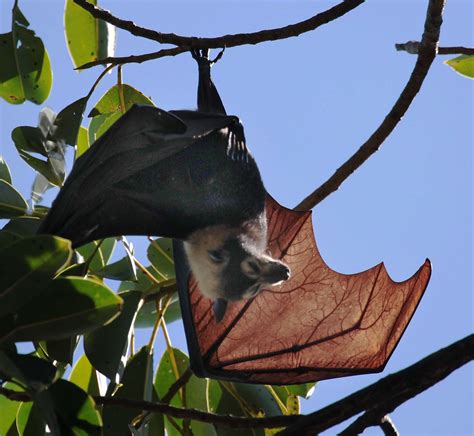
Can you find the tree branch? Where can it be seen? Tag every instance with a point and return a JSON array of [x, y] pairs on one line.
[[427, 53], [369, 419], [378, 399], [198, 415], [388, 393], [388, 427], [14, 395], [225, 40], [138, 59], [413, 47]]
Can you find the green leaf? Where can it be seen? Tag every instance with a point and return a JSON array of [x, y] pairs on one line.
[[29, 421], [147, 314], [23, 226], [82, 142], [195, 391], [61, 350], [29, 370], [25, 71], [102, 255], [107, 346], [88, 39], [160, 254], [75, 410], [109, 109], [12, 204], [27, 266], [7, 238], [9, 410], [85, 376], [43, 167], [463, 65], [136, 384], [42, 140], [5, 171], [29, 139], [69, 120], [110, 102], [68, 306], [100, 124], [304, 390], [123, 269]]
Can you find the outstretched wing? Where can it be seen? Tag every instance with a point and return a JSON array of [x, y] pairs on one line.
[[94, 203], [319, 324]]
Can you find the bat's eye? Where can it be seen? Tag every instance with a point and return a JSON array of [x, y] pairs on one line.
[[217, 256]]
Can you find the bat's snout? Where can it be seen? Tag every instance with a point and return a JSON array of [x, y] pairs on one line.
[[275, 273]]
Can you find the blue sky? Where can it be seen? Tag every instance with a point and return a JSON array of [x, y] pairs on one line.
[[307, 104]]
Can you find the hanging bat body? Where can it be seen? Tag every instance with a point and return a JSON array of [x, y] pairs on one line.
[[181, 174]]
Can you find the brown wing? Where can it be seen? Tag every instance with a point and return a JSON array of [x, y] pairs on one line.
[[319, 324]]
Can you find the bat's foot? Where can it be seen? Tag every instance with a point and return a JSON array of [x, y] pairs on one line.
[[201, 56], [236, 147]]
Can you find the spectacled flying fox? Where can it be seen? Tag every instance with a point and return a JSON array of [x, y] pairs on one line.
[[181, 174]]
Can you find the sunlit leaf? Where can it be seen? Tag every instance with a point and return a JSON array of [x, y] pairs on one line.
[[12, 203], [463, 65], [27, 266], [160, 254], [67, 306], [9, 410], [5, 171], [85, 376], [82, 142], [25, 70], [29, 421], [101, 255], [88, 39], [172, 365], [107, 346], [109, 109]]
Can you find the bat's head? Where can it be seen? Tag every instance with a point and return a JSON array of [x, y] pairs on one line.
[[230, 263]]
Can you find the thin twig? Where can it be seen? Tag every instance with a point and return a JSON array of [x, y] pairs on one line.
[[226, 40], [388, 393], [138, 59], [413, 47], [427, 53]]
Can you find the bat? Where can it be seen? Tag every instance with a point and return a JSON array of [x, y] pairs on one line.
[[186, 175], [190, 176]]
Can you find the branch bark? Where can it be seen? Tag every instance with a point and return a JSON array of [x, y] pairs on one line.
[[388, 393], [137, 59], [378, 399], [226, 40], [427, 53], [413, 47]]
